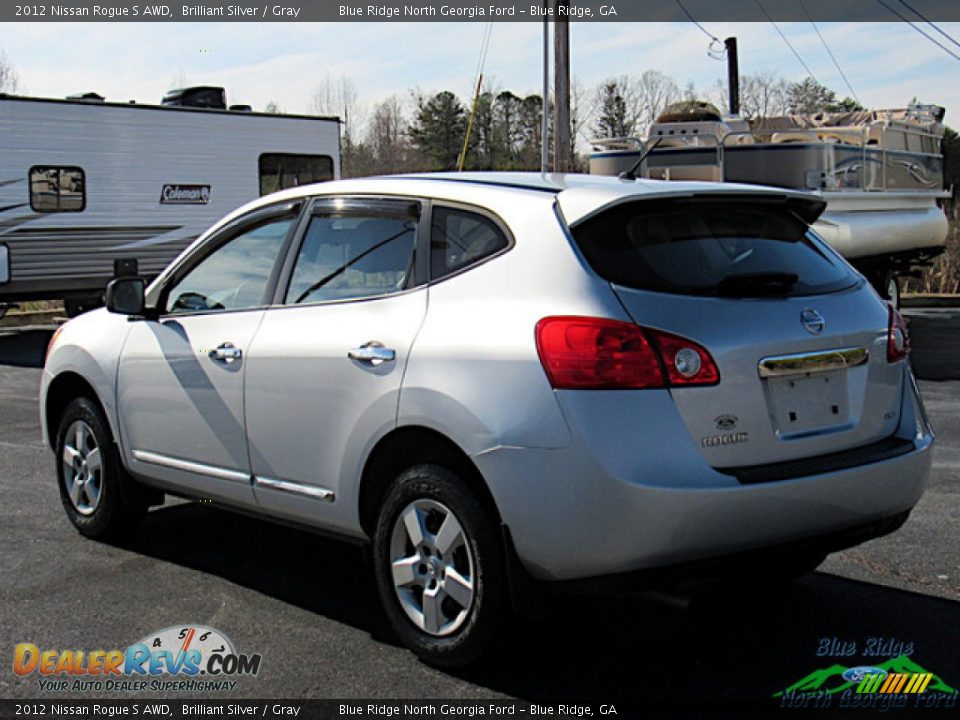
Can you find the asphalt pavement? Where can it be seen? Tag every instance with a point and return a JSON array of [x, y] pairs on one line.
[[308, 606]]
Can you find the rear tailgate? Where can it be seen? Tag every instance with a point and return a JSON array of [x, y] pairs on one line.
[[799, 339], [755, 416]]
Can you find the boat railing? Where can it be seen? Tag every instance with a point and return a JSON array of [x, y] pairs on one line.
[[865, 158]]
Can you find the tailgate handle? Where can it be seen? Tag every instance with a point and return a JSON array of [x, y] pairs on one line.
[[812, 362]]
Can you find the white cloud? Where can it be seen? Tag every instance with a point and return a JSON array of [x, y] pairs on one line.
[[887, 63]]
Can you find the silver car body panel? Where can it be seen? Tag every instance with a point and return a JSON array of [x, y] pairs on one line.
[[589, 482], [313, 413], [183, 407]]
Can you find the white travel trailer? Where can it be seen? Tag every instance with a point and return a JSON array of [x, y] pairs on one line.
[[90, 189]]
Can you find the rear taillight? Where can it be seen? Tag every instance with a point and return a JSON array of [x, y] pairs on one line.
[[580, 353], [898, 337], [687, 363]]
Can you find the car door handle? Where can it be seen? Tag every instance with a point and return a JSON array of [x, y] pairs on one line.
[[372, 352], [226, 352]]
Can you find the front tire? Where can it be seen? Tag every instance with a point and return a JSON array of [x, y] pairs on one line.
[[98, 497], [439, 566]]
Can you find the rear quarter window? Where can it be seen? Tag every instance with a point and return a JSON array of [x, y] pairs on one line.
[[702, 247]]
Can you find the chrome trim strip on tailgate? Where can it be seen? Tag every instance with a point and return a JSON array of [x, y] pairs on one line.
[[812, 362], [189, 466], [311, 491]]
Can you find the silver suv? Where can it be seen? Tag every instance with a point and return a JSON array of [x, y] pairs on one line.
[[503, 382]]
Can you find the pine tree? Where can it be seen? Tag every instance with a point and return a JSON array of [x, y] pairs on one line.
[[613, 120], [438, 129]]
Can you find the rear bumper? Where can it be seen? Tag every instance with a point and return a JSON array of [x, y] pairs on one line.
[[578, 513], [697, 573]]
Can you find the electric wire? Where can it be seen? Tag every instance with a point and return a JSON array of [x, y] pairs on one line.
[[716, 50], [929, 22], [702, 28], [789, 45], [830, 53], [484, 49], [920, 30]]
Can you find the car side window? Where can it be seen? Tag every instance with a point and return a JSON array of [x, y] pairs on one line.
[[354, 255], [459, 238], [235, 275]]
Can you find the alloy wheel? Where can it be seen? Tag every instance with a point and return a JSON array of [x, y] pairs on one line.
[[432, 566], [82, 468]]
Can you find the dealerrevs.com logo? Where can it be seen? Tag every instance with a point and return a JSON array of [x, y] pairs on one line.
[[194, 656]]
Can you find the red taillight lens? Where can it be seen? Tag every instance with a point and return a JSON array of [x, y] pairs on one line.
[[898, 337], [581, 353], [686, 362]]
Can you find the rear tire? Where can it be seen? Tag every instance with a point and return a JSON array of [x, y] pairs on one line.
[[100, 499], [439, 567]]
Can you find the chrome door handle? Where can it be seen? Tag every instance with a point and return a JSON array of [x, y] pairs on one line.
[[372, 352], [226, 352]]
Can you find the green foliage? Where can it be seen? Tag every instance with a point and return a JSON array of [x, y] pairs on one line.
[[438, 129], [809, 96], [848, 104], [613, 120]]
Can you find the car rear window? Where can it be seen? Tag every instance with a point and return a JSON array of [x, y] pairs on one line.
[[697, 246]]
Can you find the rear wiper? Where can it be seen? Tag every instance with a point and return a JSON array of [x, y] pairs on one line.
[[757, 283]]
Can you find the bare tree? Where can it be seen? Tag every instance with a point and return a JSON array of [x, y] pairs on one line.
[[340, 97], [764, 94], [386, 136], [654, 91], [9, 81], [179, 80]]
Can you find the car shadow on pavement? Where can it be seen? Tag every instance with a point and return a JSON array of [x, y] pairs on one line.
[[935, 346], [733, 646], [23, 348]]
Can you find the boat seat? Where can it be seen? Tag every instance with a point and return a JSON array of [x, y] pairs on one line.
[[794, 136]]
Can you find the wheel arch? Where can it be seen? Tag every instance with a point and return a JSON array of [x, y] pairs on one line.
[[407, 446], [64, 388]]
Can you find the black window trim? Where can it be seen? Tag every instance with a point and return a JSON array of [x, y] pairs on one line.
[[477, 210], [237, 226], [60, 169], [333, 168], [351, 204]]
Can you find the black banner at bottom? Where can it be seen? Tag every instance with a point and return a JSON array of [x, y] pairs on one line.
[[191, 709]]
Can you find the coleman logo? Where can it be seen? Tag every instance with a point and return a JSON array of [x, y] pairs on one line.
[[718, 440], [185, 195]]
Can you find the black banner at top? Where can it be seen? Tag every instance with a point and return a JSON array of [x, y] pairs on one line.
[[917, 11]]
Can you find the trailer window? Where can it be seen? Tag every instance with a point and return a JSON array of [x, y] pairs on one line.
[[57, 189], [279, 171]]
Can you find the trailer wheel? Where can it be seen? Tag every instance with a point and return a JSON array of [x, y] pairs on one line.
[[77, 306]]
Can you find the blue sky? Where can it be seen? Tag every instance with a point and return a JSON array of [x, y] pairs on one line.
[[887, 63]]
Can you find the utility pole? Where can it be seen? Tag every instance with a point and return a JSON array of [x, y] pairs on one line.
[[733, 75], [544, 109], [561, 99]]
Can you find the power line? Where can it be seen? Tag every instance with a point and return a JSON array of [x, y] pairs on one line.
[[484, 48], [930, 23], [784, 38], [830, 53], [702, 28], [920, 30]]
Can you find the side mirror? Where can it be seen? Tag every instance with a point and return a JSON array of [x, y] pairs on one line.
[[125, 296]]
